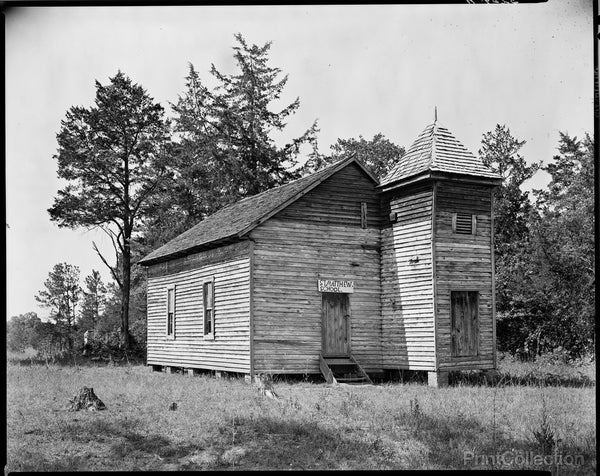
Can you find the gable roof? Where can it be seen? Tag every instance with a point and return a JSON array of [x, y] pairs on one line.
[[239, 218], [437, 150]]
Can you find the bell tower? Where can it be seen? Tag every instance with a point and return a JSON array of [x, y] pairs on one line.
[[437, 263]]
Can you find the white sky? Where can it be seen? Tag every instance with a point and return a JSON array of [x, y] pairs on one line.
[[359, 70]]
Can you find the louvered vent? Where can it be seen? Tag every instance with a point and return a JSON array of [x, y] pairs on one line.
[[463, 223]]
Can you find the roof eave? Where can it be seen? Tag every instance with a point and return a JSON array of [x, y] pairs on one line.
[[438, 175], [188, 251], [467, 178], [404, 181]]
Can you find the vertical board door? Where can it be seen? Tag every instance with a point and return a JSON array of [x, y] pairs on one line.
[[335, 324], [465, 323]]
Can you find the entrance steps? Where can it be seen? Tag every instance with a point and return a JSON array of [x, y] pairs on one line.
[[343, 370]]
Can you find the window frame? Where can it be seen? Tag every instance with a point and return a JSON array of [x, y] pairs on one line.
[[171, 288], [208, 335], [473, 224]]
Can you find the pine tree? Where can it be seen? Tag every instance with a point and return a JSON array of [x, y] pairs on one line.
[[229, 131], [112, 156], [224, 147], [61, 296]]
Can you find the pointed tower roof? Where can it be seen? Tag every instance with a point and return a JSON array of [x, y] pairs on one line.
[[437, 150]]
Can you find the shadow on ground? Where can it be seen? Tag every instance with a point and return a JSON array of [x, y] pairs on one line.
[[244, 443], [462, 442], [410, 440]]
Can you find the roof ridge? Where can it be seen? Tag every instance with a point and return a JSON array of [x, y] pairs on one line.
[[432, 160]]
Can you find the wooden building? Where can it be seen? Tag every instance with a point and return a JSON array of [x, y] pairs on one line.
[[337, 273]]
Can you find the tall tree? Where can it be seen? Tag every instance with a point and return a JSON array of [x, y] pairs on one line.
[[61, 295], [545, 277], [512, 206], [566, 238], [379, 154], [225, 149], [245, 122], [514, 213], [112, 155]]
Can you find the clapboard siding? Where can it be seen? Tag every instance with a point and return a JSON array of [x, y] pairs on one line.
[[337, 201], [230, 349], [463, 262], [317, 237], [408, 338]]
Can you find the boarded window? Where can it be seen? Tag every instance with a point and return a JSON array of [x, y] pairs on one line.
[[465, 323], [171, 311], [363, 215], [464, 223], [208, 292]]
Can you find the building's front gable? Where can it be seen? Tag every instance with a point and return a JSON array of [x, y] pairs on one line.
[[330, 235]]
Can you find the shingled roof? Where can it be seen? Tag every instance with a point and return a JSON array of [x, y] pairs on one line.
[[236, 220], [437, 150]]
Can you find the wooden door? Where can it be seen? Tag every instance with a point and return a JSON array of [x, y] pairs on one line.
[[335, 324], [465, 323]]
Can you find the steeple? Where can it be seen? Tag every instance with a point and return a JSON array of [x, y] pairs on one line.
[[437, 150], [434, 133]]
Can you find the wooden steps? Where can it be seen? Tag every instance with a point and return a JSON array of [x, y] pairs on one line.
[[343, 370]]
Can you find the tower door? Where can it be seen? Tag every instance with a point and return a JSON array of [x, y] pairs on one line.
[[335, 324], [465, 323]]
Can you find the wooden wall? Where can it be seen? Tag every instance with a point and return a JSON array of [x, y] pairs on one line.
[[230, 349], [407, 287], [317, 237], [463, 263]]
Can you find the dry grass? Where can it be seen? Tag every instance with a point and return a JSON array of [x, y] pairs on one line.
[[226, 424]]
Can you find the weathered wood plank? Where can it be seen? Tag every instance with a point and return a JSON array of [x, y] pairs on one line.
[[230, 348], [463, 263], [317, 237], [407, 285]]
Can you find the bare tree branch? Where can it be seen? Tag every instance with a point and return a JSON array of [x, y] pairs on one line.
[[111, 268]]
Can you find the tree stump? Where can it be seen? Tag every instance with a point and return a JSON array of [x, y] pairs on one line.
[[86, 399]]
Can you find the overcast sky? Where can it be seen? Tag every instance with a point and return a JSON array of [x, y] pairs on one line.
[[359, 70]]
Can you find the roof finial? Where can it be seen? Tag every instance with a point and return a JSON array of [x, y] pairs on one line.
[[435, 114]]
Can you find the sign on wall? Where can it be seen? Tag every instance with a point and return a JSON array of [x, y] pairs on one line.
[[330, 286]]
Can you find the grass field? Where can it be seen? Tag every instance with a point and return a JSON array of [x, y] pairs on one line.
[[533, 412]]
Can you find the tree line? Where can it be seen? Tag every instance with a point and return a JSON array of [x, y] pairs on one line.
[[143, 178], [74, 309]]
